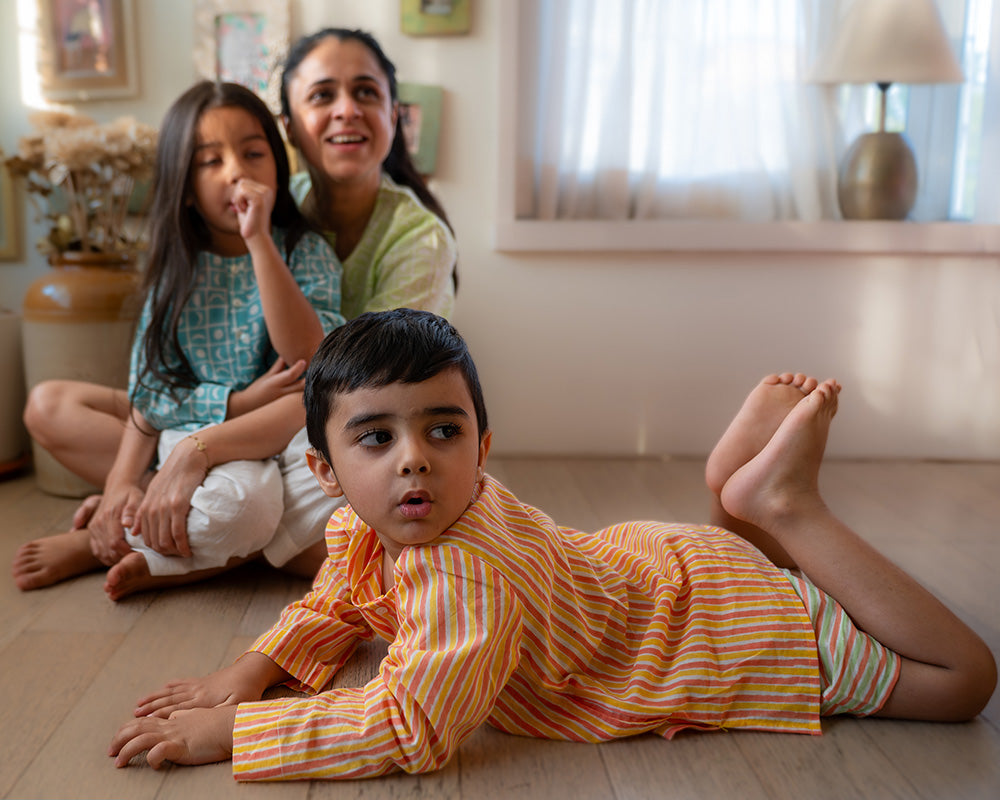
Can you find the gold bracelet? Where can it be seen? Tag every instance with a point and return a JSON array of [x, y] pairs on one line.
[[201, 447]]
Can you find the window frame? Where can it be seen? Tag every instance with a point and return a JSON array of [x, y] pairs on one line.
[[512, 234]]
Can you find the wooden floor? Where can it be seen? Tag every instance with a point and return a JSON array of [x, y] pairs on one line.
[[73, 663]]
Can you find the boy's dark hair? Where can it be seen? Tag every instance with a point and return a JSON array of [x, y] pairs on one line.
[[380, 348]]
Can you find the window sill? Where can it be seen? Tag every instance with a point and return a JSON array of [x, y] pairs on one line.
[[873, 237]]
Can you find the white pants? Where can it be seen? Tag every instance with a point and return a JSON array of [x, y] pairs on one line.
[[243, 507]]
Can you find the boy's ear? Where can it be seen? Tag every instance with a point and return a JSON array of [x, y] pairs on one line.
[[324, 474], [484, 451]]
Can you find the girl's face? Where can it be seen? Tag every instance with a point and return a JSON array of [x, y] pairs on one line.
[[230, 147], [342, 115], [407, 457]]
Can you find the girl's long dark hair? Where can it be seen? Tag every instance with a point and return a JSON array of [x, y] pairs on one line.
[[178, 231], [397, 164]]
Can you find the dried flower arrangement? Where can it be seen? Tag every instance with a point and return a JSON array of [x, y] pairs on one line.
[[81, 176]]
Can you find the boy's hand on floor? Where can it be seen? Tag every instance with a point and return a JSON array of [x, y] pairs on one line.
[[243, 681], [196, 736], [217, 689]]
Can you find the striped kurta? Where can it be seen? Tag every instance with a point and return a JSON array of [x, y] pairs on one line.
[[537, 629]]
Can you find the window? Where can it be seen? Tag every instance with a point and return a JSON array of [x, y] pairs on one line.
[[630, 145]]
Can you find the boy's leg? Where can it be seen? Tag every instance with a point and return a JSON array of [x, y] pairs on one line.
[[762, 412], [947, 671]]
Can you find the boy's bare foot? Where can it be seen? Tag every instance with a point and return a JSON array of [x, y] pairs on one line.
[[43, 562], [782, 480], [754, 425]]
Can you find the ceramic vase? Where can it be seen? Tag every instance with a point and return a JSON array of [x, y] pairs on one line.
[[78, 323]]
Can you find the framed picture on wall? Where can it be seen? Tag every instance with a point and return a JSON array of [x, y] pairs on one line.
[[10, 217], [86, 49], [434, 17], [420, 115], [242, 41]]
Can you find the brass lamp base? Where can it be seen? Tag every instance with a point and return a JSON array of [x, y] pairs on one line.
[[878, 179]]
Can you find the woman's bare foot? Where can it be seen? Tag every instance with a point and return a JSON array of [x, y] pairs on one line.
[[754, 425], [43, 562], [782, 481]]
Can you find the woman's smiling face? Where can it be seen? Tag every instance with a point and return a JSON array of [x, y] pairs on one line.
[[343, 118]]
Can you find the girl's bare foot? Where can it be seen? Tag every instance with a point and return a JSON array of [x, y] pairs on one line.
[[128, 576], [754, 425], [782, 480], [46, 561], [131, 575]]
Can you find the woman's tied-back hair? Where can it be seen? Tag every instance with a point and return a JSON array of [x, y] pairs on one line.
[[380, 348], [178, 231], [398, 163]]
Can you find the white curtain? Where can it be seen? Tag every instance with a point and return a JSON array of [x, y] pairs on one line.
[[694, 109]]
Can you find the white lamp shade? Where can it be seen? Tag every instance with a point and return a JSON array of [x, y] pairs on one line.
[[889, 41]]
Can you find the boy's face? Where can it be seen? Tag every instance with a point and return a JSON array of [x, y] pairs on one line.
[[407, 457]]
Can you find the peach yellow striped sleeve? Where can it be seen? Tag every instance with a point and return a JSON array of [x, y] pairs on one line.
[[457, 645], [316, 635]]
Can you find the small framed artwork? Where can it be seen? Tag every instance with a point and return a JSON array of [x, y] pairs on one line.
[[420, 116], [434, 17], [86, 49], [10, 217], [242, 41]]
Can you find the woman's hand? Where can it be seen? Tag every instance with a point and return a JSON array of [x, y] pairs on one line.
[[276, 382], [254, 202], [198, 736], [115, 512]]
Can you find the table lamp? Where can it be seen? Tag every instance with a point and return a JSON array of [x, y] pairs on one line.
[[885, 42]]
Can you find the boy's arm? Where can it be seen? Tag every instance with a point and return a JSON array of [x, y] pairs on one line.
[[316, 635], [191, 722], [245, 679], [198, 736], [437, 684]]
